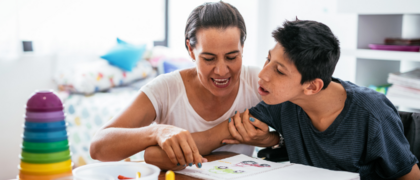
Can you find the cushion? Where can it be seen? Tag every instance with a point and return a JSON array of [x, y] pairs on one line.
[[99, 75], [125, 55], [119, 41]]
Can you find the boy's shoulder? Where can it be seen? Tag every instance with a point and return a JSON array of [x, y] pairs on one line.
[[375, 103]]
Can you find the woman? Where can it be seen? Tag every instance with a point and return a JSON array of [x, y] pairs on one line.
[[190, 106]]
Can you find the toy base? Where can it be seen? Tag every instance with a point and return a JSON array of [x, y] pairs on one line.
[[63, 176]]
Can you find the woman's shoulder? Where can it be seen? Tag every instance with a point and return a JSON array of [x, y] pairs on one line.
[[250, 71], [250, 74], [165, 81]]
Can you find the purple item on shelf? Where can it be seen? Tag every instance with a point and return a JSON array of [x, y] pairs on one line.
[[44, 101], [394, 47], [44, 120], [44, 115]]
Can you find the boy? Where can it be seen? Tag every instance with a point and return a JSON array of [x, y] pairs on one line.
[[326, 122]]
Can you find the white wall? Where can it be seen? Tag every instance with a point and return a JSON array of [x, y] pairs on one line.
[[19, 79], [9, 45]]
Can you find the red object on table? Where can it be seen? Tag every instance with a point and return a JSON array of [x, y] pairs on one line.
[[123, 177]]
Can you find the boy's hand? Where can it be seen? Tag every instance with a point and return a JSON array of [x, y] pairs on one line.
[[248, 130]]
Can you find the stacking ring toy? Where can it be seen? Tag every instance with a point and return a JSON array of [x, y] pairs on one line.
[[52, 126], [34, 147], [39, 158], [53, 119], [44, 115], [44, 101], [45, 177], [46, 169], [45, 136]]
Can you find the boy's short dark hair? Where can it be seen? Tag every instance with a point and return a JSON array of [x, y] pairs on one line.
[[312, 47]]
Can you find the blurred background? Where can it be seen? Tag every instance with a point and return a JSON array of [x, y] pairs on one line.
[[62, 45]]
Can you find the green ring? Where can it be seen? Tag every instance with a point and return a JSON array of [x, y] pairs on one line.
[[36, 147], [41, 158]]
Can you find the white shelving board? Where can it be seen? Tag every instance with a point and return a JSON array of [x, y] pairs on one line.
[[405, 101], [382, 55], [379, 6]]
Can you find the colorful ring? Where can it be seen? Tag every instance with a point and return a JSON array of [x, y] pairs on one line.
[[42, 158], [44, 115], [46, 120], [44, 109], [46, 169], [24, 176], [50, 126], [44, 136], [35, 147]]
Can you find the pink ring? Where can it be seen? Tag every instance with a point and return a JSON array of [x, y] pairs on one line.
[[44, 115], [46, 119]]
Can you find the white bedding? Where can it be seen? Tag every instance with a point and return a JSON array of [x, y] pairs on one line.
[[95, 76]]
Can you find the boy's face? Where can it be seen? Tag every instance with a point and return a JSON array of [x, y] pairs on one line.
[[279, 79]]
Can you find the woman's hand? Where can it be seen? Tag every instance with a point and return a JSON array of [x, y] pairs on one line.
[[179, 145], [156, 156], [249, 130]]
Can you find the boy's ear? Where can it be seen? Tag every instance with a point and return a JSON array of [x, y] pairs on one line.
[[190, 50], [313, 86]]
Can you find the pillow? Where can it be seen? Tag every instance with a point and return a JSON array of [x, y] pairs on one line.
[[125, 55], [94, 76], [119, 41]]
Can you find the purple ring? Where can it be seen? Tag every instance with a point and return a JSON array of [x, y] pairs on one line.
[[46, 119], [44, 110], [44, 101], [44, 115]]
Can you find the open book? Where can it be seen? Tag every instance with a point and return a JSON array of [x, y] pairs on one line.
[[245, 167]]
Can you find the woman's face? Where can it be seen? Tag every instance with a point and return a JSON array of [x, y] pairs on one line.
[[218, 56]]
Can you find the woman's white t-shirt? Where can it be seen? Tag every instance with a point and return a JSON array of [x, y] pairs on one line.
[[169, 98]]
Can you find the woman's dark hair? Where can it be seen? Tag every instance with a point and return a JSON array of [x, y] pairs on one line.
[[213, 15], [312, 47]]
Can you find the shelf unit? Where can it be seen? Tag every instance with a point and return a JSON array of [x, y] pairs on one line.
[[382, 55], [377, 20], [406, 101], [379, 6]]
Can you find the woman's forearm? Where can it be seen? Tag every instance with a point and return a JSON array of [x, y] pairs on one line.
[[209, 140], [158, 157], [206, 142], [114, 144]]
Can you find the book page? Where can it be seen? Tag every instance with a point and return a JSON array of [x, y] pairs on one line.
[[245, 167]]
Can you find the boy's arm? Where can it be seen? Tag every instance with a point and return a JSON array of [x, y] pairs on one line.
[[387, 146], [414, 174]]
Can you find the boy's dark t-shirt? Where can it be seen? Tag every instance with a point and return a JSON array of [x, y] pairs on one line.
[[366, 137]]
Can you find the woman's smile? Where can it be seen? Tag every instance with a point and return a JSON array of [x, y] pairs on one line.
[[221, 82]]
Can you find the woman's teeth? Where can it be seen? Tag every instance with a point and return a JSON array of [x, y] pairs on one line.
[[221, 82]]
